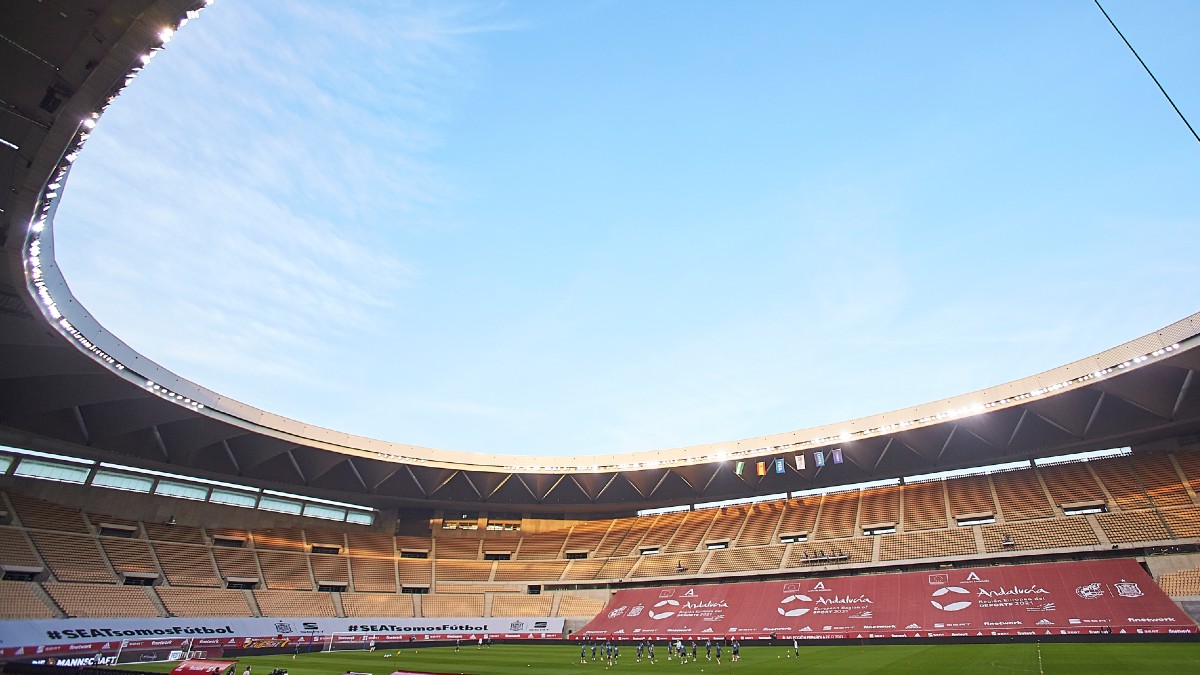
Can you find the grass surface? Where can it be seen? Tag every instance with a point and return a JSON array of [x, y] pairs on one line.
[[511, 659]]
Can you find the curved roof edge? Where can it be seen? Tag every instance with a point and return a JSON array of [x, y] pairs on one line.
[[48, 288]]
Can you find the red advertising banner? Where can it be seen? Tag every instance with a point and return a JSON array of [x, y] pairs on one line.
[[1043, 599]]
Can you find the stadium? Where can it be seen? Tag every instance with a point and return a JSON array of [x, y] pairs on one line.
[[145, 518]]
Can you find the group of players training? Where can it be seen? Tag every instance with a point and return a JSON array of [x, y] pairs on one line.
[[609, 651]]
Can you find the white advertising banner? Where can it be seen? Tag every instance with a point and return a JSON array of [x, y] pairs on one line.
[[47, 636]]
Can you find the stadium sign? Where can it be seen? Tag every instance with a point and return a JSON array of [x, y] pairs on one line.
[[1094, 597], [46, 637]]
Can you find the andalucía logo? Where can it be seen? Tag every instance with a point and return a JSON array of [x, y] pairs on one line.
[[785, 607], [666, 613], [951, 606]]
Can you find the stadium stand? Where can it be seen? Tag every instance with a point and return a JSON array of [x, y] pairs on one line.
[[613, 536], [616, 568], [457, 549], [836, 552], [544, 546], [103, 600], [325, 539], [761, 524], [72, 557], [1127, 527], [510, 604], [285, 571], [43, 515], [1183, 522], [691, 532], [631, 541], [969, 495], [663, 530], [669, 564], [379, 545], [839, 515], [191, 565], [1189, 466], [456, 605], [1039, 535], [236, 563], [130, 556], [928, 544], [586, 537], [294, 603], [180, 534], [479, 588], [186, 564], [1181, 583], [881, 505], [727, 523], [20, 600], [1160, 479], [463, 570], [414, 572], [15, 549], [542, 570], [578, 606], [1071, 484], [925, 506], [181, 601], [373, 575], [799, 515], [1020, 495], [585, 570], [378, 604], [1122, 484], [329, 569], [279, 539], [733, 560], [414, 544]]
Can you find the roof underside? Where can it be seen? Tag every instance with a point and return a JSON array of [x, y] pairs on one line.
[[63, 56]]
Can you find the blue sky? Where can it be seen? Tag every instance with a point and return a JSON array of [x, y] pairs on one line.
[[562, 228]]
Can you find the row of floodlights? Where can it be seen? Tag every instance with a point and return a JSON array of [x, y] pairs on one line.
[[153, 386], [50, 194]]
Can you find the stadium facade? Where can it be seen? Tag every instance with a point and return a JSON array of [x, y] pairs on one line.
[[494, 526]]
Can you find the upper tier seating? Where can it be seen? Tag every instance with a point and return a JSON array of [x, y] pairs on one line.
[[43, 515], [925, 506]]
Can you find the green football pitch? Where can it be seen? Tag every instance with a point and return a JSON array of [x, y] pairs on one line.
[[513, 659]]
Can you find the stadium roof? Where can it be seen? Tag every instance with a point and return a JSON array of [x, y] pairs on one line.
[[70, 386]]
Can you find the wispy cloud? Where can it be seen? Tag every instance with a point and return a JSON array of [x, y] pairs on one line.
[[236, 212]]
